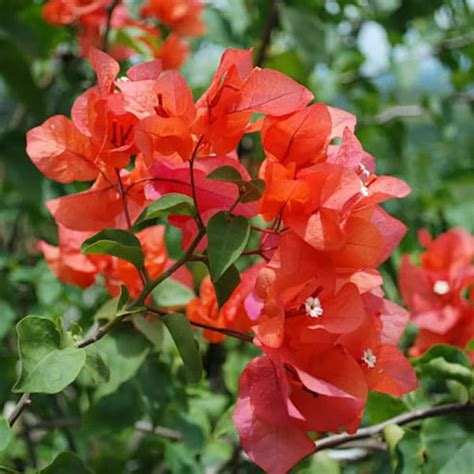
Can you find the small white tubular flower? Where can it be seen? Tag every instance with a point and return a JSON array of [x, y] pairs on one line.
[[441, 287], [313, 307], [364, 190], [364, 171], [369, 358]]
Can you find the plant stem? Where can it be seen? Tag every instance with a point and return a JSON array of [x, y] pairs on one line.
[[108, 25], [415, 415]]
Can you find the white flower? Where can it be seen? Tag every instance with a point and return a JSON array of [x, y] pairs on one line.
[[364, 171], [369, 358], [313, 307], [441, 287], [364, 190]]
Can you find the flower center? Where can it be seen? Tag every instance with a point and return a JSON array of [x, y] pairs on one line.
[[364, 190], [369, 358], [364, 171], [441, 287], [313, 307]]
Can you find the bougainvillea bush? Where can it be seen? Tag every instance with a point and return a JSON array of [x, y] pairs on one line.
[[313, 299], [228, 259]]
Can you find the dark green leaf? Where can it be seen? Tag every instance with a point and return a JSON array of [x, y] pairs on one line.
[[14, 65], [6, 434], [67, 463], [188, 348], [46, 367], [227, 237], [116, 242], [227, 174], [226, 285], [123, 298], [169, 204], [253, 190]]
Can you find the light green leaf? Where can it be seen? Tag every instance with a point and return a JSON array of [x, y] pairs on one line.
[[123, 351], [171, 293], [188, 348], [116, 242], [227, 238], [6, 434], [169, 204], [67, 463], [443, 362], [46, 367], [444, 439]]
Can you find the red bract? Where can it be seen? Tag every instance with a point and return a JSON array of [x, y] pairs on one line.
[[313, 303], [434, 292]]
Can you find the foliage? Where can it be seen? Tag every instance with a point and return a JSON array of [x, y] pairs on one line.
[[125, 404]]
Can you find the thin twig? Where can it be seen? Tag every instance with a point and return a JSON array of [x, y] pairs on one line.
[[24, 401], [419, 414], [267, 33], [108, 25], [162, 431]]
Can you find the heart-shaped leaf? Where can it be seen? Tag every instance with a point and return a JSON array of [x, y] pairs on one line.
[[188, 348], [170, 204], [227, 238], [116, 242], [46, 366]]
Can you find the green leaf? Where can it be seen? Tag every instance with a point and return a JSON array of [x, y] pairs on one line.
[[123, 351], [227, 237], [226, 285], [67, 463], [171, 293], [123, 298], [169, 204], [152, 329], [444, 439], [95, 370], [381, 407], [116, 242], [13, 65], [409, 453], [253, 190], [188, 348], [6, 434], [226, 173], [46, 367], [108, 310], [443, 362], [7, 317], [470, 345]]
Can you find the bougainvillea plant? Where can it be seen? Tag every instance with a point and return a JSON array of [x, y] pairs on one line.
[[100, 22], [439, 293], [309, 217]]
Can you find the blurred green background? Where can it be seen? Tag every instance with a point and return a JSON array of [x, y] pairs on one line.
[[403, 67]]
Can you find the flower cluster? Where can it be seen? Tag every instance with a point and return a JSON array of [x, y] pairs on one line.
[[313, 301], [96, 19], [440, 293]]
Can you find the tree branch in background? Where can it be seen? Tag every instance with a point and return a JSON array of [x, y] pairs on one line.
[[415, 415], [267, 33], [108, 25]]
